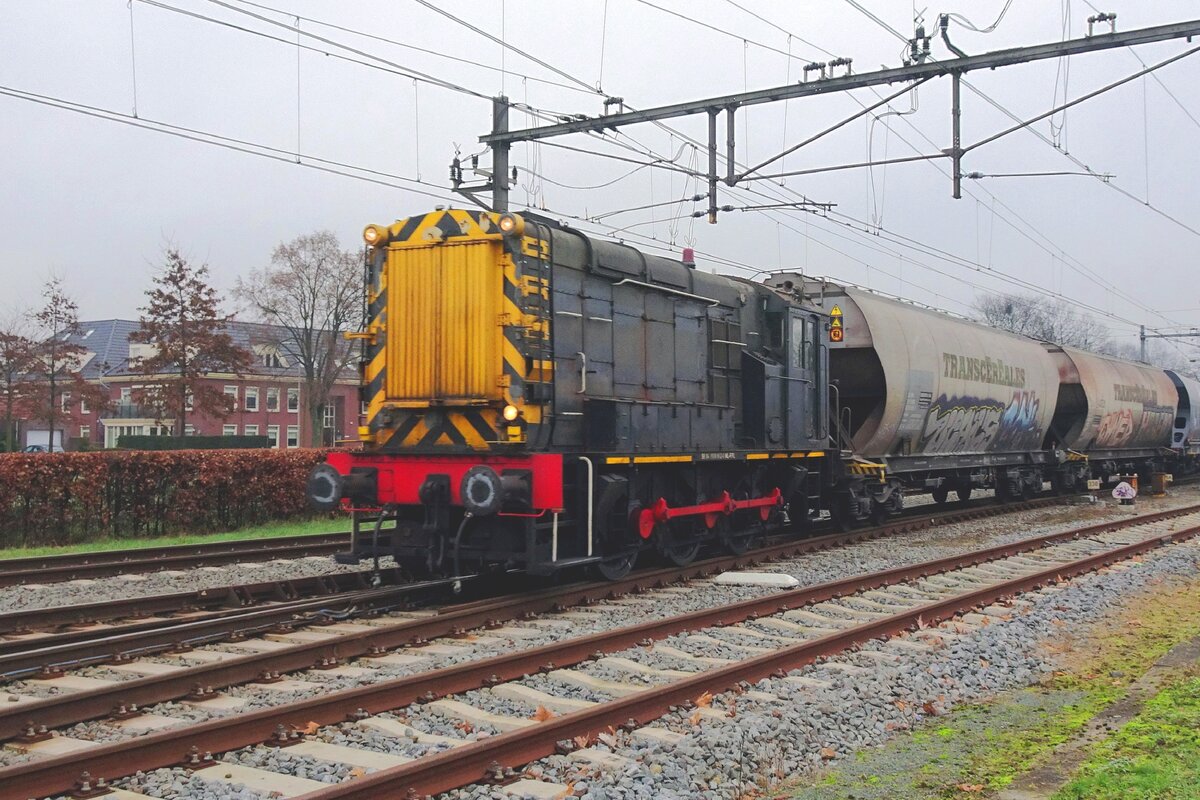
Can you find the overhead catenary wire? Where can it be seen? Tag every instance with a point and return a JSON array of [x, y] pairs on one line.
[[415, 48], [966, 23], [230, 143], [503, 44], [384, 64], [395, 67]]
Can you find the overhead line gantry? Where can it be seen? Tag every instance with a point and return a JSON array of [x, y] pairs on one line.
[[923, 68]]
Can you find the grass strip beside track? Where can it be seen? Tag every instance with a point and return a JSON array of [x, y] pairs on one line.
[[322, 524], [980, 749]]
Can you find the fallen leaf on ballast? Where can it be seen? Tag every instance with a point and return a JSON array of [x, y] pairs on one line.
[[984, 663], [930, 709], [695, 718], [900, 704], [357, 772], [542, 714], [828, 752], [970, 787], [704, 700], [310, 728], [582, 741]]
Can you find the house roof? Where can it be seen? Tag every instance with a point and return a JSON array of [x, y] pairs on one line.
[[107, 343]]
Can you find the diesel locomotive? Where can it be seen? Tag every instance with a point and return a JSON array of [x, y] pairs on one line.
[[540, 399]]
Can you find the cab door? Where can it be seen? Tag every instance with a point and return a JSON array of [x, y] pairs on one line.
[[802, 386]]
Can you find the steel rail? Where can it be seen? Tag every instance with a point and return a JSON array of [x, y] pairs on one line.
[[235, 596], [51, 775], [104, 563], [75, 707], [121, 643], [477, 762]]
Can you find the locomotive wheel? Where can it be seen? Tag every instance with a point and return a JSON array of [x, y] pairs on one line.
[[940, 494], [615, 535], [964, 493], [677, 545], [736, 542], [617, 567]]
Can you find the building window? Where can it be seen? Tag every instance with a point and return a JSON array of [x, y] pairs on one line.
[[328, 415], [250, 430], [83, 406], [294, 400], [272, 399], [271, 359], [65, 402], [362, 407], [293, 436], [252, 398], [273, 435], [229, 430], [85, 432], [188, 402], [189, 430], [232, 392], [126, 396]]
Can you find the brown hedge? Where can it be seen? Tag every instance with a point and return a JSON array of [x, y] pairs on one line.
[[55, 498]]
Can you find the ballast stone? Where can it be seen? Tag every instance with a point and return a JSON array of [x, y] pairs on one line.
[[777, 579]]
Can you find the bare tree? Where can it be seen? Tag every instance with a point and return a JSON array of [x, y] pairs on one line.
[[17, 361], [58, 360], [183, 323], [313, 291], [1043, 318], [1158, 353]]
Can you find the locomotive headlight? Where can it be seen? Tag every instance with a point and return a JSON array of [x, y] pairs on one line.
[[510, 224], [372, 235], [511, 412]]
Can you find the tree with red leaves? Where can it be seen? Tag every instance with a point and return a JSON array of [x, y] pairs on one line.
[[187, 333]]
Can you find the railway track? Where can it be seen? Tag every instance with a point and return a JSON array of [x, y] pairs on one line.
[[289, 610], [106, 563], [467, 762]]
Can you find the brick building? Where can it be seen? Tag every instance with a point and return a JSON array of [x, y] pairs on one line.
[[268, 398]]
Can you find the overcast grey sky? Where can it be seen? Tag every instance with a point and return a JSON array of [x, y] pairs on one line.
[[95, 201]]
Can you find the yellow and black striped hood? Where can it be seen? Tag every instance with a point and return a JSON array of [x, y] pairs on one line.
[[456, 321]]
